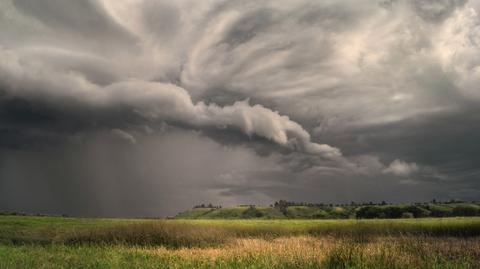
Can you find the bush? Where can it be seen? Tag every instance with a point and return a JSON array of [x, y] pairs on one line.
[[417, 211], [407, 215], [320, 214], [466, 210], [252, 212], [369, 212], [393, 212], [440, 211]]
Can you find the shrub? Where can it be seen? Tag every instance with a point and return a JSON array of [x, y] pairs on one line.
[[252, 212], [407, 215], [440, 211], [369, 212], [466, 210], [393, 212], [417, 211]]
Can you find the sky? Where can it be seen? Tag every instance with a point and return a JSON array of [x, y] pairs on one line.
[[145, 108]]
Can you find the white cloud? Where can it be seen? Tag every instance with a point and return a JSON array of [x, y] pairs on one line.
[[160, 101], [401, 168], [124, 135]]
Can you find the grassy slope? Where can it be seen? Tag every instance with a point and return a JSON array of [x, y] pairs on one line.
[[194, 213], [234, 212], [311, 212]]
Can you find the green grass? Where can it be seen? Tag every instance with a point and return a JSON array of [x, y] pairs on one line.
[[56, 242], [290, 210], [194, 213], [234, 212], [32, 229]]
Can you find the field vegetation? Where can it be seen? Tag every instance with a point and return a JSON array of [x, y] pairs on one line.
[[58, 242], [293, 210]]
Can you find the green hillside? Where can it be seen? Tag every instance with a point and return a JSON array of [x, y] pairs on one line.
[[234, 212], [292, 210]]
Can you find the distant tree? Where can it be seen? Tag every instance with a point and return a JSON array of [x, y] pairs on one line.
[[252, 212], [393, 212], [369, 212], [210, 205], [418, 211]]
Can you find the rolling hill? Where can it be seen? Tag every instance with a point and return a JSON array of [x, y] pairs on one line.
[[291, 210]]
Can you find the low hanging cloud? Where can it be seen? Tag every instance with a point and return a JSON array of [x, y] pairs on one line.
[[311, 93], [157, 101], [169, 102], [124, 135], [401, 168]]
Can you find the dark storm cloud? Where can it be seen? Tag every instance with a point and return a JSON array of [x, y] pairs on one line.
[[241, 101], [442, 140], [99, 174]]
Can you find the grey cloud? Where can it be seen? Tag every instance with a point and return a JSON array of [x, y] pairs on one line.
[[124, 135], [323, 100], [82, 19], [437, 10], [158, 101], [159, 176], [319, 66], [161, 19]]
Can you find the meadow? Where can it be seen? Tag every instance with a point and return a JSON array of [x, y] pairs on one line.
[[58, 242]]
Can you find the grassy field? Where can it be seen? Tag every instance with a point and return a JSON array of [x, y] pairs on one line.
[[56, 242]]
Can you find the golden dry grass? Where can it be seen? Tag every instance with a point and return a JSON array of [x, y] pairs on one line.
[[397, 252], [426, 243]]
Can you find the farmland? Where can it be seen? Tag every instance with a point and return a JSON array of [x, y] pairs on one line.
[[58, 242]]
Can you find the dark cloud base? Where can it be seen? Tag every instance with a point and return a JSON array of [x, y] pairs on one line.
[[144, 108]]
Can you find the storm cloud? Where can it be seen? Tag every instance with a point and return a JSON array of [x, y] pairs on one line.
[[236, 102]]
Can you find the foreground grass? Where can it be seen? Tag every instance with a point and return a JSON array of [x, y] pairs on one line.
[[283, 252], [53, 242]]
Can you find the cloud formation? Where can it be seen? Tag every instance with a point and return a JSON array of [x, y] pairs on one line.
[[155, 101], [124, 135], [323, 93], [401, 168]]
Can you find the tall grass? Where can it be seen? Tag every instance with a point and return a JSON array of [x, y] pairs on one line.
[[284, 252], [368, 229], [172, 235], [175, 234], [447, 243]]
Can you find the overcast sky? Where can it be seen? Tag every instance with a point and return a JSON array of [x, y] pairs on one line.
[[146, 108]]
